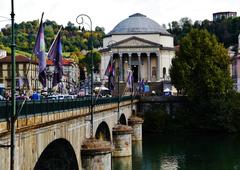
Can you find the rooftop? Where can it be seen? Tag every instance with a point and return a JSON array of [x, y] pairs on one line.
[[138, 23]]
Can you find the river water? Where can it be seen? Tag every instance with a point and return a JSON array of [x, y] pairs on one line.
[[183, 152]]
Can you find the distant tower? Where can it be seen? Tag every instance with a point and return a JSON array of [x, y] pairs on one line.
[[221, 15]]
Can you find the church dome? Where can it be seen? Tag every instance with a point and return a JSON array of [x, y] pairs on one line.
[[138, 23]]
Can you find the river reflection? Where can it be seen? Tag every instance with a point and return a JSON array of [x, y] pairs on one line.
[[122, 163], [183, 152]]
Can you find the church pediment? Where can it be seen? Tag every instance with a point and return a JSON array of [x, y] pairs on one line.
[[136, 42]]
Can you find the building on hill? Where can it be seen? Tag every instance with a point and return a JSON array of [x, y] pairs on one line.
[[26, 73], [221, 15], [141, 44], [235, 66]]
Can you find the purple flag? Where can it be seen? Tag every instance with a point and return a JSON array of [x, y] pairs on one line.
[[109, 67], [141, 86], [55, 54], [129, 79], [39, 51], [111, 75]]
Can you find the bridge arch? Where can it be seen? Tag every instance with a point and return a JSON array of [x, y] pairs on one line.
[[59, 154], [123, 120], [103, 132]]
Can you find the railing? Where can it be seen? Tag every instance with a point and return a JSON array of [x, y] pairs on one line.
[[30, 108]]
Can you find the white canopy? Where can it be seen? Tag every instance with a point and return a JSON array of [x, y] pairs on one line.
[[101, 88], [167, 90]]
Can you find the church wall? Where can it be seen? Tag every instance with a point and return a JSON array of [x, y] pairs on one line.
[[166, 41], [166, 60]]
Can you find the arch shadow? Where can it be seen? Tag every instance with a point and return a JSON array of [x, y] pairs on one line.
[[58, 155], [122, 119], [103, 132]]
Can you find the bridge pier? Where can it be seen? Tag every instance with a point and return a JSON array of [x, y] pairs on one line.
[[96, 154], [136, 123], [122, 140]]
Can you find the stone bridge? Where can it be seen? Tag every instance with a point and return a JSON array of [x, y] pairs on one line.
[[53, 137]]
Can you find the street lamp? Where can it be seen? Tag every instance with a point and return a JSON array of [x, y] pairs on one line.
[[92, 67], [13, 89]]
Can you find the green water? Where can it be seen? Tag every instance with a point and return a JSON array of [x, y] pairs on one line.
[[183, 152]]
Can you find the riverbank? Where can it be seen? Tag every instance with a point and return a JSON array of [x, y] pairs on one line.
[[215, 114]]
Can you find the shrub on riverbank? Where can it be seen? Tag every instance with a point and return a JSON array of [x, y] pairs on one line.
[[218, 115], [213, 115]]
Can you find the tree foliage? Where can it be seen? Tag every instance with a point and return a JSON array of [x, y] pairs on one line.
[[201, 71], [201, 68], [226, 30], [72, 39]]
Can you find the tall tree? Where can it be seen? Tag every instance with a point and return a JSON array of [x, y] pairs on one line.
[[201, 68]]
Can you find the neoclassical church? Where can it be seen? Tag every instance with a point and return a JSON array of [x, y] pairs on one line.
[[140, 44]]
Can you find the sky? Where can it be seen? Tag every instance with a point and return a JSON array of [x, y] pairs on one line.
[[108, 13]]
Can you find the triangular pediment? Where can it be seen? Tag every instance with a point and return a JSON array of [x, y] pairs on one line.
[[136, 42]]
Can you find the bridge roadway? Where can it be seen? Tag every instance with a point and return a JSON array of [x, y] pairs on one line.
[[53, 139]]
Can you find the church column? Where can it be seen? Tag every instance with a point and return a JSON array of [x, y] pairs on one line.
[[148, 67], [130, 60], [158, 66], [139, 67], [120, 67]]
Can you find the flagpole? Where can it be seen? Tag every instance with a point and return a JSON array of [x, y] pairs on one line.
[[35, 80], [55, 38], [39, 51], [13, 89]]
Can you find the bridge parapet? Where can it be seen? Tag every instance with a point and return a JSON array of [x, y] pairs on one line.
[[162, 99], [59, 134], [28, 119]]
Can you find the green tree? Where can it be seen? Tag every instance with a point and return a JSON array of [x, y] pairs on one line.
[[96, 60], [201, 68]]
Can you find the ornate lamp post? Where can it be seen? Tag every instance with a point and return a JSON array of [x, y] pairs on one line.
[[92, 67], [94, 146], [13, 89]]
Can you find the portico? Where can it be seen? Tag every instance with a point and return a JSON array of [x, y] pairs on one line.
[[141, 63]]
